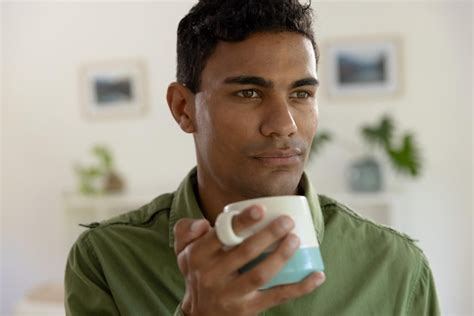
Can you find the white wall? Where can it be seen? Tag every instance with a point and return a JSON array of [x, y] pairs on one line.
[[43, 132], [436, 103]]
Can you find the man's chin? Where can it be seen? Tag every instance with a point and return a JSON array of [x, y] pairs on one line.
[[276, 182]]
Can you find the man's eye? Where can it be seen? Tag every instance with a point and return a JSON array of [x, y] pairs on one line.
[[248, 93], [300, 95]]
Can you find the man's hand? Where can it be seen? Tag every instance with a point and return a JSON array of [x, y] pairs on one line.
[[213, 284]]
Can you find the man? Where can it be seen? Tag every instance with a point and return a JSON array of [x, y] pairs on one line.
[[246, 90]]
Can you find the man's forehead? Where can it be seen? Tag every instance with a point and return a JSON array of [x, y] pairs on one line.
[[266, 44], [271, 56]]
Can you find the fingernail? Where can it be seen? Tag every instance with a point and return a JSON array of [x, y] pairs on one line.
[[293, 242], [255, 213], [286, 223], [195, 225], [320, 278]]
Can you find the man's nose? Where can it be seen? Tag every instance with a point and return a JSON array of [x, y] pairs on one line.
[[278, 121]]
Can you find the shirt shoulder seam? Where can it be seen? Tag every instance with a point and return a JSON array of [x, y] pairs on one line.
[[130, 222], [341, 207]]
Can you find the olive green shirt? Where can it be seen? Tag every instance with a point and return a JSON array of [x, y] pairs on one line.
[[127, 265]]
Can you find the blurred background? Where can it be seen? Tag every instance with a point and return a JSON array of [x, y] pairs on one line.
[[86, 131]]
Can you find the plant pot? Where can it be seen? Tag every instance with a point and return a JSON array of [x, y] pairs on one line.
[[113, 183], [365, 175]]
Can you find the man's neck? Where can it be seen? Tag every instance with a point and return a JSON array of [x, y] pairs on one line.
[[212, 200]]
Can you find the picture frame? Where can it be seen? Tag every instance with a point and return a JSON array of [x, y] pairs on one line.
[[113, 89], [363, 67]]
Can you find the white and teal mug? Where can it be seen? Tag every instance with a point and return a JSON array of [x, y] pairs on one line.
[[306, 260]]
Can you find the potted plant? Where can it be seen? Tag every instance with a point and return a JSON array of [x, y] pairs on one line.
[[364, 174], [101, 177], [403, 154]]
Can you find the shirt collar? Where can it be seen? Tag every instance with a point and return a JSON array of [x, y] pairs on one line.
[[185, 204]]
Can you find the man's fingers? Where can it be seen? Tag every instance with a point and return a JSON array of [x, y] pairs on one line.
[[245, 219], [265, 270], [254, 246], [266, 299], [186, 230], [248, 217], [195, 242]]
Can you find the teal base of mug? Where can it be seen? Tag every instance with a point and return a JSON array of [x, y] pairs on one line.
[[303, 262]]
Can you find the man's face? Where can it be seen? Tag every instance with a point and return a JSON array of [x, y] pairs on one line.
[[256, 114]]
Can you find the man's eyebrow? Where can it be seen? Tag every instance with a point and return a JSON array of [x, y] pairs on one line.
[[310, 81], [253, 80], [259, 81]]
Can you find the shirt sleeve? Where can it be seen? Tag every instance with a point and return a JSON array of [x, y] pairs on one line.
[[86, 290], [424, 300]]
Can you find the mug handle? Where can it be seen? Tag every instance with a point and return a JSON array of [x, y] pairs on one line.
[[224, 230]]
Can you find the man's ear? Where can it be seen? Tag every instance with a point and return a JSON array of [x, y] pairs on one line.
[[181, 103]]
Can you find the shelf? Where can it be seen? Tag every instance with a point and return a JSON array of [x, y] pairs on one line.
[[78, 202]]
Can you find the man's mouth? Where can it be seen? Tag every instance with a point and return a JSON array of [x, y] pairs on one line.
[[280, 157]]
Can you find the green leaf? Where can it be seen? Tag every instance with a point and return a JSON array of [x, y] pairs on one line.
[[379, 134], [406, 159], [104, 155], [93, 172]]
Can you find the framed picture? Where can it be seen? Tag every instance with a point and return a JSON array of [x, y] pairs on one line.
[[113, 89], [363, 67]]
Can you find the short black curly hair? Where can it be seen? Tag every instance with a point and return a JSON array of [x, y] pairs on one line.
[[211, 21]]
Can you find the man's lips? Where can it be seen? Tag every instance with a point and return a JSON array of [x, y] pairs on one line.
[[284, 153], [280, 157]]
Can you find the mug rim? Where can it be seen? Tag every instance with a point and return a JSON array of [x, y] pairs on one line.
[[264, 198]]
